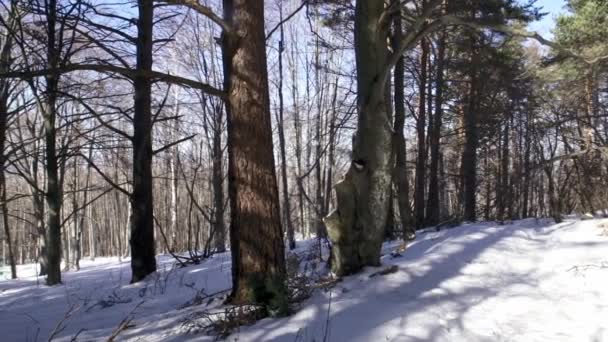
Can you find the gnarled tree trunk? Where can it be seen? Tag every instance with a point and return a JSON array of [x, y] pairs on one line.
[[356, 226]]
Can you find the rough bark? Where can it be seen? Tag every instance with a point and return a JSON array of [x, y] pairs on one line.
[[356, 226], [256, 236]]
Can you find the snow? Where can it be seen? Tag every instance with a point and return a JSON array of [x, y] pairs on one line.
[[529, 280]]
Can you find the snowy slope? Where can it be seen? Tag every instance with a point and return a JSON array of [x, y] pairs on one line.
[[526, 281]]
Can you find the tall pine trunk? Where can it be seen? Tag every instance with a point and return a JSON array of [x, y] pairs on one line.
[[256, 236]]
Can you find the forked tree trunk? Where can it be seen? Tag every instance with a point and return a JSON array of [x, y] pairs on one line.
[[256, 236], [356, 226], [143, 261]]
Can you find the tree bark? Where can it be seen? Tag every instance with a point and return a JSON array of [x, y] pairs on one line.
[[143, 261], [400, 177], [53, 187], [419, 204], [256, 235], [356, 226], [5, 61], [286, 205], [469, 154], [218, 186], [3, 197], [433, 214]]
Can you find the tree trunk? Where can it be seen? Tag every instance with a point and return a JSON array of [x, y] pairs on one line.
[[174, 155], [433, 213], [504, 179], [5, 62], [286, 205], [527, 169], [420, 130], [256, 236], [356, 226], [218, 188], [469, 154], [319, 212], [53, 190], [143, 260], [88, 210], [400, 177], [3, 198]]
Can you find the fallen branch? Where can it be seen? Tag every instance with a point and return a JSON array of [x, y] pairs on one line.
[[61, 324], [125, 323]]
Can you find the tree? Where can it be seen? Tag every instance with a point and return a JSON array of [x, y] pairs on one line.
[[400, 177], [356, 226], [6, 59], [143, 257], [256, 236]]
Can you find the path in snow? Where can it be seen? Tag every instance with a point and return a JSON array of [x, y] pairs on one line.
[[526, 281]]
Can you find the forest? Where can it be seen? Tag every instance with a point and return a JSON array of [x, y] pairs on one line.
[[194, 129]]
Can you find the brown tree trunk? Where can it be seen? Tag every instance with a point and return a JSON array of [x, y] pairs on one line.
[[256, 236], [143, 261]]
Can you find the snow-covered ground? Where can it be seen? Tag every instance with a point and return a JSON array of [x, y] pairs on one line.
[[527, 281]]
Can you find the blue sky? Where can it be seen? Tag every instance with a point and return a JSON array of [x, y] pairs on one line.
[[553, 7]]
